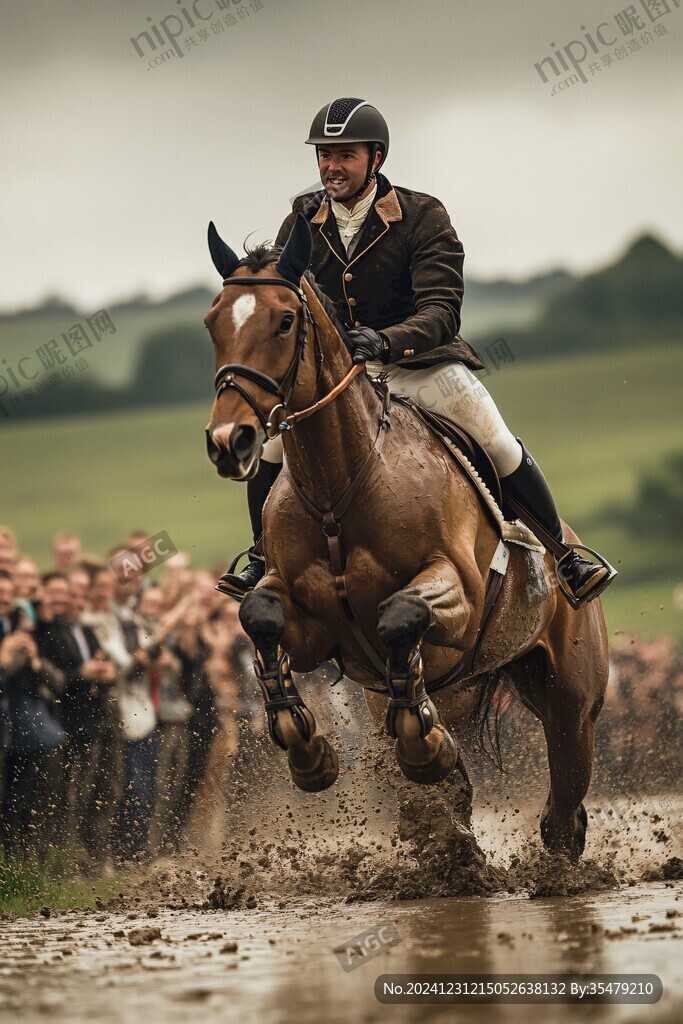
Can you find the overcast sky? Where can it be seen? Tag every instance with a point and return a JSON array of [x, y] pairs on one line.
[[111, 170]]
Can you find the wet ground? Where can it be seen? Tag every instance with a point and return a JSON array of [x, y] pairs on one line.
[[276, 965]]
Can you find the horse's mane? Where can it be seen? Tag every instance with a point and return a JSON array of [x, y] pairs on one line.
[[263, 254]]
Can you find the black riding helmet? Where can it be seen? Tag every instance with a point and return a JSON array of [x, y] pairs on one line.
[[350, 119]]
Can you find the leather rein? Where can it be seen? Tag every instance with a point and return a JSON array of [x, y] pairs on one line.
[[228, 375]]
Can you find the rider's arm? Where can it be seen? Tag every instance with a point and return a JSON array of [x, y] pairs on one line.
[[436, 270]]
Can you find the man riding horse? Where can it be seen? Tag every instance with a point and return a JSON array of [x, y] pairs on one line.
[[392, 263]]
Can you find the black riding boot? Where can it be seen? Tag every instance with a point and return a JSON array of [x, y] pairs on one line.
[[234, 584], [527, 485]]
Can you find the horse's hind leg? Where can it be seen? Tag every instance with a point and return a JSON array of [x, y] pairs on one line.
[[313, 763], [425, 750], [567, 692]]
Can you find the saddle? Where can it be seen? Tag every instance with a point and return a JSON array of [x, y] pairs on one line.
[[447, 430]]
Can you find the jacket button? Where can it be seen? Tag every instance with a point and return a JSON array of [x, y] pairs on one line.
[[357, 323], [352, 302], [348, 277]]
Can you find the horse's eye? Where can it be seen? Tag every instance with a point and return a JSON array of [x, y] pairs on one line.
[[287, 321]]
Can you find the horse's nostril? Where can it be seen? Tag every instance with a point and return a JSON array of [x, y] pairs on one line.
[[242, 442], [212, 449]]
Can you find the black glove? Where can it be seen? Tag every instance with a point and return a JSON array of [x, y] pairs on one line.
[[367, 345]]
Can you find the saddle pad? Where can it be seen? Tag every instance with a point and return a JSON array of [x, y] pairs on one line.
[[517, 533], [514, 532]]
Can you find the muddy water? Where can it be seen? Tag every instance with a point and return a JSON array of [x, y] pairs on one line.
[[79, 967], [302, 874]]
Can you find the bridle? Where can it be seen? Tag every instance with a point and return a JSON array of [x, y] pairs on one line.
[[227, 375]]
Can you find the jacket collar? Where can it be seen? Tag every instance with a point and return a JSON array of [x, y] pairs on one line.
[[386, 206]]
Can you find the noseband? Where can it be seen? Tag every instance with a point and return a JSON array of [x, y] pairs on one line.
[[227, 376]]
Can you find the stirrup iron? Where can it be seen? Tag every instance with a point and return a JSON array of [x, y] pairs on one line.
[[577, 602]]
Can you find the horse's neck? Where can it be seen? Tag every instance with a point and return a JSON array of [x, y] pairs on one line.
[[325, 452]]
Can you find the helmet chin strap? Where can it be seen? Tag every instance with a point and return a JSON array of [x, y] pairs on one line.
[[370, 176], [361, 190]]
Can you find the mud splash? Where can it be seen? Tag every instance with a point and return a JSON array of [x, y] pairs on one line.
[[259, 841]]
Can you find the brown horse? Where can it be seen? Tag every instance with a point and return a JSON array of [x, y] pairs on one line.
[[398, 600]]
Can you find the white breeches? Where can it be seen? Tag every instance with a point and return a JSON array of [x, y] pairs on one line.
[[451, 390]]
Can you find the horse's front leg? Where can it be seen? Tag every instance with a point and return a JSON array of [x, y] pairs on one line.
[[313, 762], [425, 750]]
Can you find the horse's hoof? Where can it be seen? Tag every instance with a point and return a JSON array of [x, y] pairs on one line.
[[313, 766], [440, 753], [569, 840]]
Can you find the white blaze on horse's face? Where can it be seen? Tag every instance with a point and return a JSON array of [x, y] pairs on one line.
[[242, 309]]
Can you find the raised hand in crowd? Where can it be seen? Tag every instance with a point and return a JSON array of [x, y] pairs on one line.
[[217, 635], [16, 649], [162, 661], [99, 669]]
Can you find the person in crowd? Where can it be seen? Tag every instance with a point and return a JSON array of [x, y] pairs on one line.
[[8, 558], [28, 586], [79, 579], [91, 774], [177, 579], [214, 796], [173, 713], [32, 736], [118, 635], [126, 592], [54, 602], [66, 551], [91, 563], [194, 651], [254, 749]]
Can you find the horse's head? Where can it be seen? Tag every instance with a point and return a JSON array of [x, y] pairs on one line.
[[259, 325]]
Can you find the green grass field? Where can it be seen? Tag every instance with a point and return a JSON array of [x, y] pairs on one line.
[[594, 424], [114, 359]]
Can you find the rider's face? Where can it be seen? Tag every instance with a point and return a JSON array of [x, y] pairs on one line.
[[343, 167]]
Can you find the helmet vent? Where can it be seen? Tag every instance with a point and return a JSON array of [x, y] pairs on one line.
[[339, 114]]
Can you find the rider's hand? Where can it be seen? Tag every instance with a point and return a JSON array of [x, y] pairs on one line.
[[367, 345]]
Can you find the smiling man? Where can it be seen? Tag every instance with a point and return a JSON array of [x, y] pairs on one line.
[[392, 263]]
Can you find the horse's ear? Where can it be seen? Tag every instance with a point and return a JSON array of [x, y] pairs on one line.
[[296, 255], [224, 259]]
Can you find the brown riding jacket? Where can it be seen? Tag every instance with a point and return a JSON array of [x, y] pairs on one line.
[[404, 278]]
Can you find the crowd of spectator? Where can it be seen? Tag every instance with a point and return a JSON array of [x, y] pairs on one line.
[[111, 694]]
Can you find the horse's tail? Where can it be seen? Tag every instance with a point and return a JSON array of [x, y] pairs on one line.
[[491, 702]]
